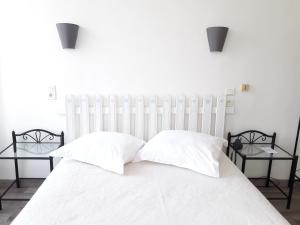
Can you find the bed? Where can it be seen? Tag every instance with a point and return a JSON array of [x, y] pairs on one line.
[[149, 193]]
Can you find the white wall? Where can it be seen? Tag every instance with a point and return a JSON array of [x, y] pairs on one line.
[[151, 46]]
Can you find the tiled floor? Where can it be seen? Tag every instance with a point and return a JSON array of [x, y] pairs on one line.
[[11, 209], [293, 214]]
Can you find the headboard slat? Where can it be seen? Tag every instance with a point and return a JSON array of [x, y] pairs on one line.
[[193, 113], [180, 113], [113, 113], [152, 116], [84, 115], [220, 116], [98, 121], [140, 114], [70, 117], [206, 117], [127, 115], [167, 113]]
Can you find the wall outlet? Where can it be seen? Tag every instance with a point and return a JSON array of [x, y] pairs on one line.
[[52, 93], [229, 91]]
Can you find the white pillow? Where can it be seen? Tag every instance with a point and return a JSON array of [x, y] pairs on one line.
[[191, 150], [108, 150]]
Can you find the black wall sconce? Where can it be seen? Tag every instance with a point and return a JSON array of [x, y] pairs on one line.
[[68, 33], [216, 38]]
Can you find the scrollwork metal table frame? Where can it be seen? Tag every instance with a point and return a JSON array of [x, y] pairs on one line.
[[33, 144], [254, 143]]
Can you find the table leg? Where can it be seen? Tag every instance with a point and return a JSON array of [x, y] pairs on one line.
[[269, 173], [292, 180], [243, 164], [51, 163], [17, 173], [235, 157]]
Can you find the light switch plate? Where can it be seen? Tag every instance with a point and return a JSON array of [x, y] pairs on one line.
[[52, 93], [244, 87], [229, 91]]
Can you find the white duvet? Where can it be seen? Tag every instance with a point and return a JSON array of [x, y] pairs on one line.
[[148, 194]]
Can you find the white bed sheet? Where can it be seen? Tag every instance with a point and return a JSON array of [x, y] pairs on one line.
[[148, 194]]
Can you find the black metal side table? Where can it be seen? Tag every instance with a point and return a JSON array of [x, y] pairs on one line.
[[33, 144], [256, 146]]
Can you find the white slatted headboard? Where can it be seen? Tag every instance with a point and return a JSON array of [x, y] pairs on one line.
[[145, 116]]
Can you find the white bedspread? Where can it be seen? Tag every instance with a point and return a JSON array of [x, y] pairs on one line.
[[148, 194]]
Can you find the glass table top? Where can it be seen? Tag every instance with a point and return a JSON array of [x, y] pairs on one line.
[[258, 151], [29, 150]]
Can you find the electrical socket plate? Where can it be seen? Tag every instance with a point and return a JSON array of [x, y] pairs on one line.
[[52, 93], [229, 92]]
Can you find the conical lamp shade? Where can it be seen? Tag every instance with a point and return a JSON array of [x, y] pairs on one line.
[[216, 38], [68, 34]]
